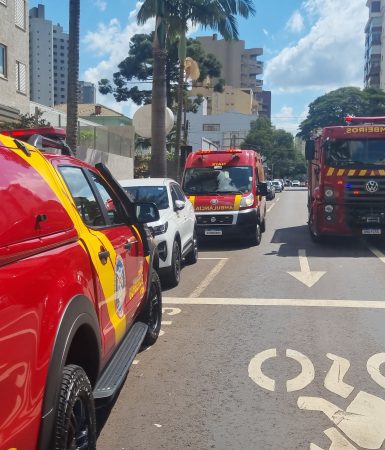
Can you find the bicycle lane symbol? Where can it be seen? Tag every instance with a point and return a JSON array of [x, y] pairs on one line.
[[361, 425]]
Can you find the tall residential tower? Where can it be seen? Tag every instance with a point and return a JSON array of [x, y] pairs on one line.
[[374, 75]]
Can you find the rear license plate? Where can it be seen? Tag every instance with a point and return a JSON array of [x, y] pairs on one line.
[[371, 231], [213, 232]]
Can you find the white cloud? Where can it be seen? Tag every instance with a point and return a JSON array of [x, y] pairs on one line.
[[265, 32], [331, 55], [111, 41], [102, 5], [287, 120], [295, 24]]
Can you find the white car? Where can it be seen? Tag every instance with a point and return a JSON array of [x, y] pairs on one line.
[[295, 183], [175, 231], [277, 185]]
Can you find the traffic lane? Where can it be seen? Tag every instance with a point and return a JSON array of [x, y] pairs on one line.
[[263, 271], [194, 390]]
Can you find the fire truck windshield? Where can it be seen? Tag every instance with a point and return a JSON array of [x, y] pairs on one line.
[[218, 180], [355, 152]]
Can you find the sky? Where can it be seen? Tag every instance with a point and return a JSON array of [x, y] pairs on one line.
[[310, 47]]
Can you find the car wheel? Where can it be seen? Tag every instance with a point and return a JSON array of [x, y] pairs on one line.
[[192, 256], [173, 277], [75, 423], [257, 234], [152, 315]]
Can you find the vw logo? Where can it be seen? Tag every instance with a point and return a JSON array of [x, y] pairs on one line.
[[214, 201], [213, 219], [371, 186]]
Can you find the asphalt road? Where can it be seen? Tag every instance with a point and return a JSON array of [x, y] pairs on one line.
[[280, 346]]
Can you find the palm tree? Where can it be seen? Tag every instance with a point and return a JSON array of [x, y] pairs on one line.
[[215, 14], [73, 74]]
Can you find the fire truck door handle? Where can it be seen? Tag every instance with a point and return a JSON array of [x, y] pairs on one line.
[[103, 256], [130, 243]]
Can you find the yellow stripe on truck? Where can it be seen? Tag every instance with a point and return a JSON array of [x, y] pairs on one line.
[[192, 199], [237, 202]]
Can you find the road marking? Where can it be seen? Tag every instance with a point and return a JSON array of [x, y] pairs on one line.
[[307, 372], [334, 378], [166, 322], [171, 311], [360, 304], [278, 199], [305, 276], [255, 369], [338, 441], [270, 207], [373, 368], [377, 252], [208, 279]]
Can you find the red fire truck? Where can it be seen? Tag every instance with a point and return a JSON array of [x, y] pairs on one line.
[[227, 189], [346, 189]]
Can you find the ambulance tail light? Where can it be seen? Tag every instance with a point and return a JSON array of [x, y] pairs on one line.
[[247, 202]]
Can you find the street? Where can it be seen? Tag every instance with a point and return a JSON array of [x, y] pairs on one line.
[[278, 346]]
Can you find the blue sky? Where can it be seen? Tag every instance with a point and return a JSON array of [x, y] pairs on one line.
[[310, 46]]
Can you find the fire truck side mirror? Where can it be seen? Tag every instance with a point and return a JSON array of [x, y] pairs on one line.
[[262, 189], [309, 150]]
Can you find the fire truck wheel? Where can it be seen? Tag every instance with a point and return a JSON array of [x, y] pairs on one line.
[[263, 226], [75, 423], [152, 315], [173, 277], [315, 237], [192, 256], [257, 234]]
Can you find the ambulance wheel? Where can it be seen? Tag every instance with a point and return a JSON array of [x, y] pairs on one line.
[[75, 423], [257, 234], [173, 277], [152, 314], [192, 256], [263, 226]]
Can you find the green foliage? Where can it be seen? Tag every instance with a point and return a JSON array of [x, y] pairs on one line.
[[26, 121], [277, 148], [333, 107], [138, 65]]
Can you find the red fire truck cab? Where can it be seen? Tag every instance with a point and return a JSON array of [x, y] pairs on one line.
[[227, 189], [346, 189]]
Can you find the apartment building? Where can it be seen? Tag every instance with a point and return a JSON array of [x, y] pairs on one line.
[[374, 74], [14, 61], [87, 92], [240, 66]]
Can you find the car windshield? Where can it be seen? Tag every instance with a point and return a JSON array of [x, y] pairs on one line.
[[218, 180], [356, 152], [154, 194]]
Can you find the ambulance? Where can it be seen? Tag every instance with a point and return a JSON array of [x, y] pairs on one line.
[[228, 191]]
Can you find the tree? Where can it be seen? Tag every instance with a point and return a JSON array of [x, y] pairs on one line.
[[26, 121], [73, 74], [333, 107], [216, 14], [277, 148]]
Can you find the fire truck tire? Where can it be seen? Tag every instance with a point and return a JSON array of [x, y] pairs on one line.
[[192, 256], [152, 315], [173, 277], [316, 238], [257, 234], [75, 423], [263, 226]]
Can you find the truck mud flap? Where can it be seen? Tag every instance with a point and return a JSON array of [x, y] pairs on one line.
[[115, 373]]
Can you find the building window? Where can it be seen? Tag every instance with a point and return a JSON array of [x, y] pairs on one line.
[[376, 7], [20, 13], [4, 2], [21, 77], [211, 127], [3, 60]]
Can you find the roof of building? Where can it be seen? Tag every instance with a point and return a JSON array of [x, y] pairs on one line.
[[91, 109]]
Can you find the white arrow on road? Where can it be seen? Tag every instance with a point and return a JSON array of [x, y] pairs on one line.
[[306, 277]]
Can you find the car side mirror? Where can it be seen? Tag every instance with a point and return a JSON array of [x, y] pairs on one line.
[[262, 189], [309, 150], [179, 204], [146, 212]]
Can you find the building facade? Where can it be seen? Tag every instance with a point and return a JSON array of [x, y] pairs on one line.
[[240, 66], [14, 59], [48, 59], [373, 45], [87, 92]]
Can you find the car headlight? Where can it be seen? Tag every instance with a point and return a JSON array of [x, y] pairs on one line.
[[329, 192], [159, 229], [247, 201]]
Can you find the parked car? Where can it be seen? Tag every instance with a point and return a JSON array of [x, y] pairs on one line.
[[79, 296], [296, 183], [270, 190], [277, 185], [175, 231]]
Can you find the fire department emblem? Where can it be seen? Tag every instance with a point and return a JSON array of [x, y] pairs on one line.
[[213, 220], [214, 201], [371, 186], [120, 286]]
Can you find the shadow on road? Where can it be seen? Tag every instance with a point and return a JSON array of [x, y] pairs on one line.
[[294, 238]]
